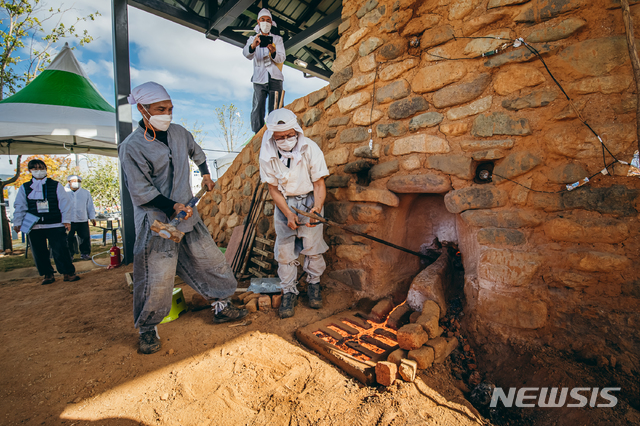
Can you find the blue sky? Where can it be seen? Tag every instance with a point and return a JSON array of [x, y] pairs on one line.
[[198, 73]]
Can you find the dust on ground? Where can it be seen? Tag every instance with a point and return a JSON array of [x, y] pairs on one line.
[[69, 356]]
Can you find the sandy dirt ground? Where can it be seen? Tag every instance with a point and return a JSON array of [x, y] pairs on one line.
[[69, 356]]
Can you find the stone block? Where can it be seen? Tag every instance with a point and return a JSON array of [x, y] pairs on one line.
[[332, 99], [399, 317], [474, 108], [397, 356], [338, 211], [451, 343], [383, 170], [391, 129], [484, 144], [437, 76], [393, 91], [337, 157], [366, 8], [372, 18], [366, 116], [422, 121], [386, 373], [479, 46], [501, 219], [543, 10], [429, 183], [458, 9], [535, 99], [594, 261], [337, 181], [512, 310], [453, 164], [411, 336], [518, 55], [372, 195], [500, 3], [581, 229], [596, 57], [252, 305], [499, 123], [574, 140], [250, 170], [491, 154], [396, 21], [407, 107], [367, 213], [393, 71], [344, 27], [408, 369], [475, 197], [420, 24], [429, 321], [423, 357], [354, 278], [359, 166], [436, 36], [341, 77], [567, 173], [420, 143], [317, 96], [311, 116], [340, 121], [365, 152], [460, 93], [501, 236], [564, 29], [410, 163], [331, 134], [354, 134], [606, 85], [264, 303], [429, 284], [439, 346], [508, 268], [353, 253], [455, 129], [354, 101], [359, 82], [517, 77], [515, 164], [393, 49], [367, 63], [355, 38], [480, 22]]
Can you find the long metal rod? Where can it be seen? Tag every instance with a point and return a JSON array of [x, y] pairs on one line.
[[362, 234]]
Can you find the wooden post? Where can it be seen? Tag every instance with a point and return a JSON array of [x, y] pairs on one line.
[[635, 60]]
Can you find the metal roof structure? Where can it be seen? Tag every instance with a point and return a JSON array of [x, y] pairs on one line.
[[309, 28]]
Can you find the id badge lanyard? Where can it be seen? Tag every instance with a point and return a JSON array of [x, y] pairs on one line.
[[43, 206]]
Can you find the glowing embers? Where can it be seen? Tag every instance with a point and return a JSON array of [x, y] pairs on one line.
[[352, 342]]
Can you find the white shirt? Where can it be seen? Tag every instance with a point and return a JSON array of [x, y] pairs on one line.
[[297, 179], [20, 208], [81, 205], [263, 64]]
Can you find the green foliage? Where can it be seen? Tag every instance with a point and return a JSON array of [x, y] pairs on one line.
[[24, 26], [231, 127], [195, 130], [103, 183]]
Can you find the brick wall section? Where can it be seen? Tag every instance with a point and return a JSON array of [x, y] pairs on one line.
[[558, 267]]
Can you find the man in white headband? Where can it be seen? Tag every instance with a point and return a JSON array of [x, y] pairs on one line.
[[267, 67], [82, 211], [295, 169], [155, 160]]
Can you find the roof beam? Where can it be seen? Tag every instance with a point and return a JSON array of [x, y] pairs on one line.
[[226, 15], [312, 8], [314, 32], [171, 13]]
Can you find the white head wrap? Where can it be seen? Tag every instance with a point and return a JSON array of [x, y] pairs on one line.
[[269, 148], [148, 93], [74, 176], [264, 12]]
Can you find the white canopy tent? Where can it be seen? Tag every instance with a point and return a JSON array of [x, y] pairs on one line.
[[59, 112]]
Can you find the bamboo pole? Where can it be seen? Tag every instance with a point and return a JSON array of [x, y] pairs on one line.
[[635, 60]]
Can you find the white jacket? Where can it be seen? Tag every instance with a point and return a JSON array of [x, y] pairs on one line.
[[81, 205], [263, 64]]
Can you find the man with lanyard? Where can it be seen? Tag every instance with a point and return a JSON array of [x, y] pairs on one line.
[[267, 76], [47, 203], [82, 211], [155, 160], [295, 169]]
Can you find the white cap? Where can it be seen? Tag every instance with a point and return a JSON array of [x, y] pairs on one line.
[[148, 93]]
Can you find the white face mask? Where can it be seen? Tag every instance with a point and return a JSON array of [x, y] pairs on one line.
[[265, 27], [160, 122], [287, 144], [74, 185], [38, 174]]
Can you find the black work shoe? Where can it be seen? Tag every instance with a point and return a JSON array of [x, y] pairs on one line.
[[289, 301], [149, 343], [229, 313], [48, 279], [70, 277], [315, 299]]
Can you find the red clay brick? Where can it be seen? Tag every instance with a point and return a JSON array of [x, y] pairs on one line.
[[397, 356], [399, 316], [412, 336], [264, 303], [380, 312], [386, 373], [423, 356]]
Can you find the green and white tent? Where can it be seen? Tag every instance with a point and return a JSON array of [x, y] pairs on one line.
[[59, 112]]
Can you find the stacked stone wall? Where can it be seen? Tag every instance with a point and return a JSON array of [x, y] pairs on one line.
[[554, 267]]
